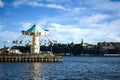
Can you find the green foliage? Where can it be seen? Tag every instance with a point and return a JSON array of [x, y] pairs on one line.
[[22, 48], [74, 49]]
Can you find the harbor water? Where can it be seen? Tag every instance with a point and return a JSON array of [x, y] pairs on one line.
[[72, 68]]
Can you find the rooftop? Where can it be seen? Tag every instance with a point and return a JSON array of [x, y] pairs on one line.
[[35, 29]]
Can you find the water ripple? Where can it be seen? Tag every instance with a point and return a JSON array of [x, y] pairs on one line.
[[73, 68]]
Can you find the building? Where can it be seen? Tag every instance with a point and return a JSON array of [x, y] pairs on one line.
[[105, 45]]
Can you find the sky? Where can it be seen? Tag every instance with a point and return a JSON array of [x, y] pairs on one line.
[[67, 20]]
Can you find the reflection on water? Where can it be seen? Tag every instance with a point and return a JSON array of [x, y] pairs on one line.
[[73, 68], [19, 71], [36, 70]]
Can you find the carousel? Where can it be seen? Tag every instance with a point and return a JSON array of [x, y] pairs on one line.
[[35, 55], [35, 32]]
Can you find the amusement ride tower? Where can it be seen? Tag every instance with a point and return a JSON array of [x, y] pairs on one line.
[[35, 32]]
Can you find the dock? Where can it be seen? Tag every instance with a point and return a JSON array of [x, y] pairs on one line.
[[29, 58]]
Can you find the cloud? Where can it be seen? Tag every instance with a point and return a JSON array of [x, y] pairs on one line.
[[113, 28], [1, 26], [19, 2], [8, 35], [93, 28], [25, 25], [78, 9], [58, 1], [37, 4], [103, 5], [59, 32], [94, 18], [102, 32], [66, 33], [1, 4], [55, 6]]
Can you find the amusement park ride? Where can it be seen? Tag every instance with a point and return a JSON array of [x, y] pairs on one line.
[[35, 54], [35, 32]]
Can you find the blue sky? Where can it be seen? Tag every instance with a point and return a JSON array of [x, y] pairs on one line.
[[68, 20]]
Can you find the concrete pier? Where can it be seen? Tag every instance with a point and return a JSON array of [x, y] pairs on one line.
[[29, 58]]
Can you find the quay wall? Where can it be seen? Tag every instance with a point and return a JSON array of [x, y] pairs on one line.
[[29, 58]]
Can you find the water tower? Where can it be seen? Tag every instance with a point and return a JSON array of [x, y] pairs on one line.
[[35, 32]]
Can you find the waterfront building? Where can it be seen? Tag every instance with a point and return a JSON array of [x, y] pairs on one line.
[[106, 45], [15, 51]]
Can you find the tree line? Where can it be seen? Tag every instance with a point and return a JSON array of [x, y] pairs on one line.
[[72, 49]]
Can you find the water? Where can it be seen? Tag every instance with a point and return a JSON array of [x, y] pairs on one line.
[[72, 68]]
